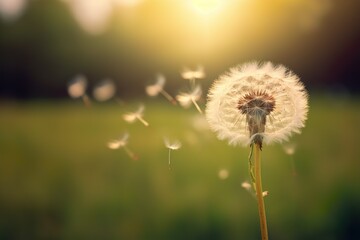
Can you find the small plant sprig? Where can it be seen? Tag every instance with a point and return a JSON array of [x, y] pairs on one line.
[[255, 104]]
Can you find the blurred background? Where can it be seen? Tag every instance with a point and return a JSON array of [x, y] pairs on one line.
[[58, 178]]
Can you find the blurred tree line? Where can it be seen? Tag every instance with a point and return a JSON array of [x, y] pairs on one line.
[[43, 49]]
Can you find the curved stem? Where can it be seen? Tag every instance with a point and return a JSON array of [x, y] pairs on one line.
[[259, 195]]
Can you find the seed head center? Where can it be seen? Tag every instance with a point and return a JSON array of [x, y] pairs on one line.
[[256, 105]]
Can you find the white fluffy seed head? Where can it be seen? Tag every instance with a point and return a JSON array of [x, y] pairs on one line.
[[173, 145], [287, 116]]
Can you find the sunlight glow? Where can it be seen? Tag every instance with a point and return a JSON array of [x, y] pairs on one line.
[[128, 3], [206, 6]]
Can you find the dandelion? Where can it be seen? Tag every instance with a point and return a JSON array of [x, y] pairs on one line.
[[186, 99], [104, 90], [137, 115], [158, 87], [254, 104], [192, 75], [122, 142], [171, 145], [223, 174], [77, 89]]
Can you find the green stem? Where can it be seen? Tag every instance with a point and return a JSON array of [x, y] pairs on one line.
[[259, 195]]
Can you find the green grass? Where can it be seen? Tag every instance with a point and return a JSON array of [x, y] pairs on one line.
[[58, 180]]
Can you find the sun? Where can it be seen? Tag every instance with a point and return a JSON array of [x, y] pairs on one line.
[[206, 6]]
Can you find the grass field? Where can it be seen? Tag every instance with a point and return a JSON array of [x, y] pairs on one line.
[[58, 180]]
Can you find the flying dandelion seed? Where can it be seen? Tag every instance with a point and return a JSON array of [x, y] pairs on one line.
[[10, 10], [77, 89], [104, 91], [199, 123], [171, 145], [223, 174], [186, 99], [122, 142], [189, 74], [158, 87], [254, 104], [246, 186], [137, 115], [192, 75], [77, 86], [289, 149]]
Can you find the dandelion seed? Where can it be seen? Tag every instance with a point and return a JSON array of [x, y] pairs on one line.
[[199, 123], [186, 99], [138, 115], [246, 185], [192, 75], [289, 149], [77, 86], [158, 87], [171, 145], [77, 89], [257, 103], [223, 174], [122, 142], [104, 90], [265, 193]]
